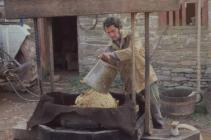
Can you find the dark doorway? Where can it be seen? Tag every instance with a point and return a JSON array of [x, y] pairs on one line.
[[191, 14], [65, 43]]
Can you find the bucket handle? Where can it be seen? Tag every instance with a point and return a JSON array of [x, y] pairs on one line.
[[197, 93]]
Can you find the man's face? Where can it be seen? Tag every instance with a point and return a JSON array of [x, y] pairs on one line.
[[113, 32]]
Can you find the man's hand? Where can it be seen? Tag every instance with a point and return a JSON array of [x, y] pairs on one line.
[[106, 56]]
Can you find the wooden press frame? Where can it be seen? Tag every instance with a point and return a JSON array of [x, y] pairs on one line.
[[54, 8]]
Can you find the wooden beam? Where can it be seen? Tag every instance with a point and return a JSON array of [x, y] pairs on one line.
[[163, 19], [53, 8], [171, 20], [189, 1], [196, 13], [44, 53], [51, 54], [164, 134], [147, 118], [205, 13], [133, 29], [23, 134], [177, 18], [2, 12], [183, 14], [198, 46], [37, 43]]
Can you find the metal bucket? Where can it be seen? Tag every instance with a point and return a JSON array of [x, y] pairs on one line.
[[101, 76]]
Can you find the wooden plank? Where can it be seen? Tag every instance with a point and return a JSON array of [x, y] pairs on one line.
[[37, 44], [163, 19], [2, 13], [133, 29], [51, 55], [164, 134], [189, 1], [52, 8], [198, 19], [147, 129], [44, 53], [183, 14], [23, 134], [171, 20], [196, 13], [177, 18], [205, 13]]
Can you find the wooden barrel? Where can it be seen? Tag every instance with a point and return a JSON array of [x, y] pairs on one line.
[[177, 102]]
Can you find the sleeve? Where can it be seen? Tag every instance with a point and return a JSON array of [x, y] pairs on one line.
[[124, 54], [113, 56], [108, 49]]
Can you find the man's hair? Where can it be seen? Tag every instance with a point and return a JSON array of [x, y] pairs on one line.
[[112, 21]]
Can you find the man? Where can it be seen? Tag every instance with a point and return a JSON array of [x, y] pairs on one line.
[[120, 54]]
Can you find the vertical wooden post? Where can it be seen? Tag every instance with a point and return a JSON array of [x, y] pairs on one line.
[[171, 20], [184, 14], [133, 24], [147, 73], [196, 11], [163, 19], [199, 47], [205, 13], [177, 17], [37, 43], [51, 55], [44, 53]]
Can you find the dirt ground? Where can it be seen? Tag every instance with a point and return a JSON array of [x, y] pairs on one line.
[[15, 112]]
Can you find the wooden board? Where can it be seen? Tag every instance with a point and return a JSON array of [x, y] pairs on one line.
[[164, 134], [23, 134], [2, 13], [53, 8]]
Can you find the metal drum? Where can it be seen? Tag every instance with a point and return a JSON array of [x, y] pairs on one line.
[[207, 100], [101, 76]]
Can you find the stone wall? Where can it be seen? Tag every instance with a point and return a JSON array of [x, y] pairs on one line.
[[174, 49], [175, 60]]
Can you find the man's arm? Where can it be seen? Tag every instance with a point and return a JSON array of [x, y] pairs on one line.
[[109, 56], [126, 54]]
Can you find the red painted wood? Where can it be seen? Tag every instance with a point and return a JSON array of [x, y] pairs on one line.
[[184, 14], [196, 13], [171, 23], [162, 19], [205, 13], [177, 18]]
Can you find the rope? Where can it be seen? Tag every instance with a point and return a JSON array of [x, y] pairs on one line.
[[17, 93]]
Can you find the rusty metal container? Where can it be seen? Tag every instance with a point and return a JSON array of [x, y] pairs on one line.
[[101, 76], [178, 102], [207, 100]]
